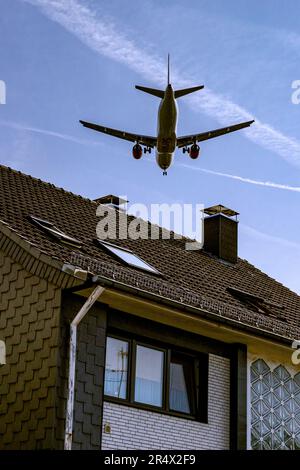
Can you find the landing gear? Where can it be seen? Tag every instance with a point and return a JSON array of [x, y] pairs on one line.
[[165, 173], [147, 149], [186, 149]]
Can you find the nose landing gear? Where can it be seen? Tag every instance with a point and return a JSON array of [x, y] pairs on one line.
[[165, 173]]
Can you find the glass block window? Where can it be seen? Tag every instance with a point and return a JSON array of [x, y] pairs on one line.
[[275, 408]]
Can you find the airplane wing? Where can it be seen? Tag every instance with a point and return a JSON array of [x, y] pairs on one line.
[[191, 139], [141, 139]]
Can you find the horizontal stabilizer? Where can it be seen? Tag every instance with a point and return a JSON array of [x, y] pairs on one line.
[[186, 91], [151, 91]]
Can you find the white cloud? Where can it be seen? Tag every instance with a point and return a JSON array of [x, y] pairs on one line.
[[101, 36], [59, 135], [253, 233], [267, 184]]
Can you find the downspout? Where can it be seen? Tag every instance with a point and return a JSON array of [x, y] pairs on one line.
[[97, 292]]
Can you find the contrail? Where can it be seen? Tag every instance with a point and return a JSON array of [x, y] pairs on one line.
[[269, 238], [21, 127], [101, 36], [268, 184]]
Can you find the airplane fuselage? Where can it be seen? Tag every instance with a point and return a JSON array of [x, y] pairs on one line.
[[166, 129]]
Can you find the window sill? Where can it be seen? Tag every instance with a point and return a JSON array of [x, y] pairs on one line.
[[154, 409]]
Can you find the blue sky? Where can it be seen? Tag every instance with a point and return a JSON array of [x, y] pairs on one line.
[[65, 60]]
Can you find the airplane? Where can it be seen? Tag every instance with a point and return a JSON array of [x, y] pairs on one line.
[[166, 140]]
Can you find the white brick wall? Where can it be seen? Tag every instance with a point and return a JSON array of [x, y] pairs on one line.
[[132, 428]]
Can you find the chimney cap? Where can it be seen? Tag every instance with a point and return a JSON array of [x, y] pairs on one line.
[[111, 199], [220, 209]]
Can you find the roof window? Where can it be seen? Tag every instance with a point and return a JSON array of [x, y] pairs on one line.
[[256, 303], [55, 232], [127, 256]]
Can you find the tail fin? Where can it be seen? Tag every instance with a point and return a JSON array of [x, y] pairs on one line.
[[186, 91], [168, 69], [151, 91]]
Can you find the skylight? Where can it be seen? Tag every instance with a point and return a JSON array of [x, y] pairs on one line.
[[256, 303], [55, 232], [128, 257]]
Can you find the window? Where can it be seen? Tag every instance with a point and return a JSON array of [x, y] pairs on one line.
[[156, 377], [116, 368], [55, 232], [258, 304], [149, 376], [128, 257], [180, 384]]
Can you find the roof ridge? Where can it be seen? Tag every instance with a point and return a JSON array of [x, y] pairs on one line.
[[34, 178]]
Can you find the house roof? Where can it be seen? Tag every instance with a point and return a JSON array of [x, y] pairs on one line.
[[193, 278]]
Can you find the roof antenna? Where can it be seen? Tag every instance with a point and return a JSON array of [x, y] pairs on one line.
[[168, 69]]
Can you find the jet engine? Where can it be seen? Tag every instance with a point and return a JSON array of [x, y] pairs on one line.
[[194, 151], [137, 151]]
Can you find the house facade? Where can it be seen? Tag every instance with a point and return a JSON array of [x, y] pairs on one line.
[[137, 344]]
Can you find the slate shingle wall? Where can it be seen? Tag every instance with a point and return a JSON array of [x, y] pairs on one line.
[[29, 324], [33, 383], [132, 428]]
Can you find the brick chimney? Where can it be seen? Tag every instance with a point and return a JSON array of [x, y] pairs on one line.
[[221, 233]]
